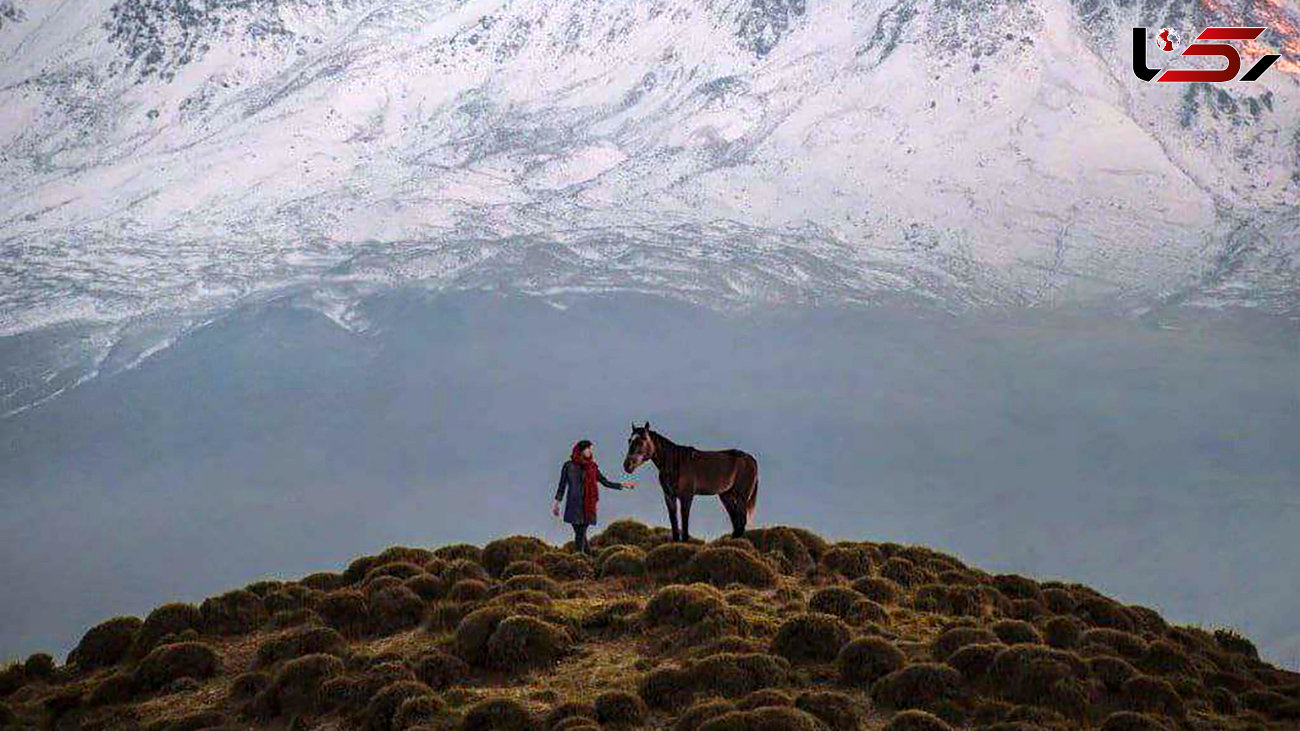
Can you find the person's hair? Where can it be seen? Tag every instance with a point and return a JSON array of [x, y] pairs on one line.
[[581, 445]]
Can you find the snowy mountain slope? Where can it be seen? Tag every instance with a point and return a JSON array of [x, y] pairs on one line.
[[161, 159]]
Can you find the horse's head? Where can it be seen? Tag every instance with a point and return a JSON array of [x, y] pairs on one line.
[[640, 447]]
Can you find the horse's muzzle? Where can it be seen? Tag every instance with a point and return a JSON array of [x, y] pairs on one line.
[[629, 466]]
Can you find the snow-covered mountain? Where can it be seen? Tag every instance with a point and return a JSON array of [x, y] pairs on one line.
[[162, 158]]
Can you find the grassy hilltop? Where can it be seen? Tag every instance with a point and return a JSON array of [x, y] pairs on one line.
[[780, 630]]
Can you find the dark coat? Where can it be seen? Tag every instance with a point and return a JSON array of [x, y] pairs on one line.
[[571, 482]]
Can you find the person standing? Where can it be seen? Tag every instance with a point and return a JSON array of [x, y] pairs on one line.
[[580, 481]]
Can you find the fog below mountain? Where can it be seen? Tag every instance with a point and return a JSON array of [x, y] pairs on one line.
[[1154, 462]]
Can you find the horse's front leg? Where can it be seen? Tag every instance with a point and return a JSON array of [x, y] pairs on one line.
[[686, 516], [671, 501]]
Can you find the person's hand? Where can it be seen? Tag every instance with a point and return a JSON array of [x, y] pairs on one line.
[[555, 508], [629, 485]]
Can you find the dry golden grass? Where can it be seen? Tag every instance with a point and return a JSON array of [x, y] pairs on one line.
[[614, 644]]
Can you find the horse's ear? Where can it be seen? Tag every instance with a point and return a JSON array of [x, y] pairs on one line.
[[647, 426]]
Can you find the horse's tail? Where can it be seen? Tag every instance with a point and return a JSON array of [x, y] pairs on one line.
[[751, 504]]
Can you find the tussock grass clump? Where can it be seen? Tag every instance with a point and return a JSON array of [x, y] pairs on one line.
[[866, 659], [902, 572], [563, 566], [112, 690], [246, 686], [1014, 586], [439, 670], [670, 559], [522, 568], [323, 581], [738, 674], [105, 644], [346, 610], [296, 688], [458, 552], [956, 601], [374, 586], [767, 697], [1130, 721], [727, 565], [622, 561], [701, 712], [521, 643], [1153, 695], [1111, 672], [878, 589], [498, 714], [417, 711], [666, 687], [293, 618], [1064, 632], [1058, 601], [624, 533], [426, 586], [921, 686], [1270, 702], [344, 692], [474, 631], [956, 638], [683, 605], [1124, 644], [1017, 632], [384, 705], [298, 642], [400, 570], [462, 568], [763, 719], [169, 663], [914, 720], [849, 561], [975, 662], [1099, 611], [1037, 674], [811, 637], [1163, 657], [166, 621], [395, 609], [1232, 641], [290, 598], [567, 711], [836, 600], [836, 710], [784, 544], [619, 708], [617, 617], [502, 552], [468, 590]]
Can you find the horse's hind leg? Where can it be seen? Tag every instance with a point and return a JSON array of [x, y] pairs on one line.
[[671, 501], [686, 516], [736, 511]]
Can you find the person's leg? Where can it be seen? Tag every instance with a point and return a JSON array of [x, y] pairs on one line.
[[580, 537]]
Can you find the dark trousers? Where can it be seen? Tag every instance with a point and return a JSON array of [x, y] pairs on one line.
[[580, 538]]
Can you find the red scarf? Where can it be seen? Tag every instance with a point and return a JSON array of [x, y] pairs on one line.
[[590, 485]]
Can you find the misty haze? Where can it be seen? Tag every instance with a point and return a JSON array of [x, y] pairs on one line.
[[1155, 463]]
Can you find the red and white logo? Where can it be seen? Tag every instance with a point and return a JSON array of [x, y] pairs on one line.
[[1167, 40]]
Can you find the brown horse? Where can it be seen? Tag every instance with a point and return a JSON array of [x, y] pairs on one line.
[[685, 472]]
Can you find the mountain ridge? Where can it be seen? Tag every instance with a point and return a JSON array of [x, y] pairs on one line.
[[240, 146]]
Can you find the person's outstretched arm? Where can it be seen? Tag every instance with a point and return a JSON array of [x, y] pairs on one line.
[[614, 485]]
